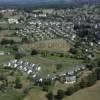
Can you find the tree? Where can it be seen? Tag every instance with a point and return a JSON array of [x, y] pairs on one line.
[[1, 15], [59, 66], [98, 62], [2, 87], [83, 83], [73, 50], [61, 54], [6, 41], [19, 55], [25, 39], [34, 52], [45, 88], [60, 94], [15, 48], [76, 87], [97, 71], [70, 90], [18, 84], [50, 96]]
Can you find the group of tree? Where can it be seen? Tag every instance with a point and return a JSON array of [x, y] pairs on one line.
[[94, 63], [7, 41], [25, 40], [59, 96], [3, 82], [1, 15], [46, 84], [19, 55], [45, 53]]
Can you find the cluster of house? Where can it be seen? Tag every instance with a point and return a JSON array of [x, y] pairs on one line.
[[45, 24], [47, 29], [34, 71], [42, 25], [69, 75], [25, 66]]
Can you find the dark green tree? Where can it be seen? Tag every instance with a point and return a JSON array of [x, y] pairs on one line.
[[50, 96], [18, 84], [60, 95]]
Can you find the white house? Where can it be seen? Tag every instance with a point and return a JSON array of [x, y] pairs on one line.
[[2, 53], [12, 21], [70, 79], [30, 71]]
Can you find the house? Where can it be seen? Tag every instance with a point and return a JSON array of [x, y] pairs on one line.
[[29, 71], [70, 72], [2, 53], [12, 21], [24, 66], [38, 68], [34, 76], [70, 79]]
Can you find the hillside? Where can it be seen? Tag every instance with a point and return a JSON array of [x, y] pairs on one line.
[[91, 93]]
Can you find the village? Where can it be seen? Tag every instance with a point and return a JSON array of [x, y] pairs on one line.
[[46, 24], [49, 50]]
